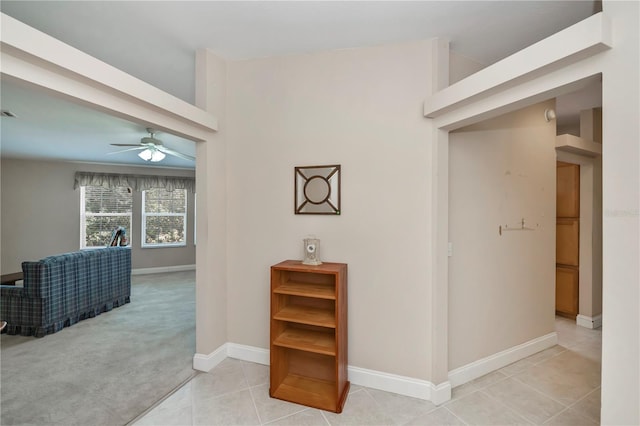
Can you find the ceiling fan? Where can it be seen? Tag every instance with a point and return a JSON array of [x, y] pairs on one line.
[[152, 149]]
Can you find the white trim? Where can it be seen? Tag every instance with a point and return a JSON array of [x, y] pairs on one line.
[[248, 353], [440, 393], [589, 322], [35, 58], [163, 269], [402, 385], [571, 45], [577, 145], [408, 386], [483, 366], [29, 41], [162, 245], [207, 363]]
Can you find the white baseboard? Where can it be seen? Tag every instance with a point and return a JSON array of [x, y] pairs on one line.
[[589, 322], [402, 385], [248, 353], [208, 362], [408, 386], [161, 269], [483, 366]]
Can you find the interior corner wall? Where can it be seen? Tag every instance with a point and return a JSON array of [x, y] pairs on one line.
[[360, 108], [461, 67], [211, 177], [501, 287], [41, 214]]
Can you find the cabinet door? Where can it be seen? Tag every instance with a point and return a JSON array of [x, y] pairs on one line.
[[568, 241], [567, 190], [567, 291]]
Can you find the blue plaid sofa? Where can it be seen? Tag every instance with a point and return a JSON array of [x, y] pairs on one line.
[[61, 290]]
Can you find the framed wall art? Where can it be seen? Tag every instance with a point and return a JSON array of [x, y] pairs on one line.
[[317, 190]]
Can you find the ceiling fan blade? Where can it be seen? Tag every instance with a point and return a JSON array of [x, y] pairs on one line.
[[126, 144], [169, 151], [126, 150]]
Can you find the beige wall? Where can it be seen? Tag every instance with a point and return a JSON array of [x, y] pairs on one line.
[[360, 108], [41, 214], [501, 288]]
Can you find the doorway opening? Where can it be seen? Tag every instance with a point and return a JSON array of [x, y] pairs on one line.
[[579, 206], [567, 239]]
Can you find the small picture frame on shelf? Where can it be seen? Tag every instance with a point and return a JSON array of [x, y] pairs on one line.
[[311, 251]]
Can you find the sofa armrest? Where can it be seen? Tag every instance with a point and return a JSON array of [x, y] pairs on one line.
[[11, 291], [36, 283]]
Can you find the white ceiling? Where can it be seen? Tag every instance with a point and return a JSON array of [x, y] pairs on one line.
[[51, 128], [156, 42]]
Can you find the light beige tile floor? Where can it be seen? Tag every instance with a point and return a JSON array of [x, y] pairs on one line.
[[558, 386]]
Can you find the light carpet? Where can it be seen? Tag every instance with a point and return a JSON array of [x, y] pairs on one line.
[[105, 370]]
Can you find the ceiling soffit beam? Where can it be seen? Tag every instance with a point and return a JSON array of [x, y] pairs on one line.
[[569, 46], [32, 56], [47, 78], [529, 93]]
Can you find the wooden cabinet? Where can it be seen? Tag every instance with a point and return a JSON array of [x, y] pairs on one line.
[[567, 190], [566, 291], [309, 334], [567, 239], [568, 242]]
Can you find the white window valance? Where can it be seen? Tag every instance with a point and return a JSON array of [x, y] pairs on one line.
[[135, 182]]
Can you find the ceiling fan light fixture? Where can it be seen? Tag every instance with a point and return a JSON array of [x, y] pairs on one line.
[[157, 156], [152, 155], [152, 149], [146, 155]]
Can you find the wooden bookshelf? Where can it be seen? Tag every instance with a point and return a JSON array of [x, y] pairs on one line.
[[309, 334], [321, 342]]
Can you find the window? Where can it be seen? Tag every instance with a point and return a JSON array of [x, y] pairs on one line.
[[164, 217], [101, 211]]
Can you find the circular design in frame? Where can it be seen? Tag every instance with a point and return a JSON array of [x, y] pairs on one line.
[[317, 190]]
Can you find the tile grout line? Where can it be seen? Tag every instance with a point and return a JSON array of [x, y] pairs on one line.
[[565, 349], [301, 410], [556, 415], [255, 406], [193, 408], [582, 399], [325, 418], [541, 393], [517, 413], [565, 405], [253, 399], [434, 408], [455, 415]]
